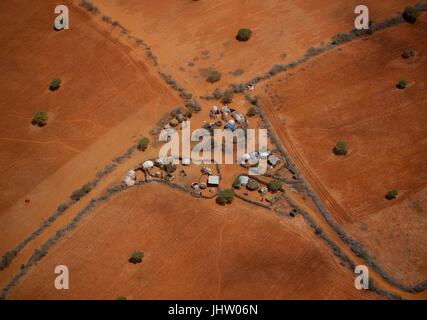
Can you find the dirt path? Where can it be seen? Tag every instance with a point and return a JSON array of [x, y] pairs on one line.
[[379, 281]]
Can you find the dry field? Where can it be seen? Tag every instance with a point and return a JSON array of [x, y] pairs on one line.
[[193, 250], [350, 94], [105, 102], [189, 38], [112, 94]]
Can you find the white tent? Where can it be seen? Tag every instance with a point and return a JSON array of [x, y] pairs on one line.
[[132, 174], [244, 180], [148, 164], [129, 182], [186, 161]]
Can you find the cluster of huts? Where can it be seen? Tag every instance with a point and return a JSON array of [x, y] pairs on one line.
[[212, 182], [253, 185], [232, 118]]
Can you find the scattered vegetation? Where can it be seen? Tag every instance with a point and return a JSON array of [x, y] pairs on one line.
[[402, 84], [214, 76], [411, 14], [391, 194], [244, 34], [274, 185], [143, 144], [40, 119], [89, 6], [55, 84], [225, 196], [227, 97], [136, 257], [80, 193], [252, 111], [341, 148]]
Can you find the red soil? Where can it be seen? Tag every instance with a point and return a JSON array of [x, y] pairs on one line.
[[193, 249], [350, 94], [203, 32], [105, 102]]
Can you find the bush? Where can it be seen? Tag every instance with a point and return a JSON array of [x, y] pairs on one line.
[[136, 257], [169, 167], [121, 298], [225, 197], [227, 96], [408, 53], [80, 193], [40, 119], [244, 34], [252, 111], [410, 14], [55, 84], [174, 122], [341, 148], [214, 76], [402, 84], [143, 144], [391, 194], [274, 186]]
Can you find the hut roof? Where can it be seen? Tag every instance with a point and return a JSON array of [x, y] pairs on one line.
[[148, 164], [213, 180], [273, 160], [186, 161]]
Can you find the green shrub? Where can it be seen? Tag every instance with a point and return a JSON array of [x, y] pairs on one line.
[[227, 96], [143, 144], [411, 14], [40, 119], [80, 193], [169, 167], [252, 111], [274, 185], [402, 84], [55, 84], [341, 148], [136, 257], [214, 76], [244, 34], [391, 194], [174, 122], [121, 298], [225, 197]]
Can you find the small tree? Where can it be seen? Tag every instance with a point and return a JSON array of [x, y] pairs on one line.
[[169, 167], [391, 194], [225, 196], [214, 76], [143, 144], [408, 53], [341, 148], [244, 34], [40, 119], [402, 84], [121, 298], [80, 193], [274, 186], [136, 257], [227, 96], [55, 84], [411, 14], [252, 111]]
